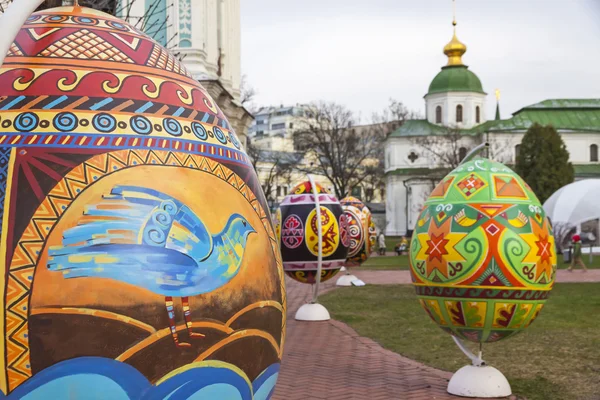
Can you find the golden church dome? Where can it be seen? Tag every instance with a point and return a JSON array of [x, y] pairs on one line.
[[455, 49]]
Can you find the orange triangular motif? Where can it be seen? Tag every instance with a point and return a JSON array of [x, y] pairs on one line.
[[173, 160], [508, 188], [30, 234], [32, 249], [75, 187], [60, 205], [20, 259], [442, 188], [92, 174], [114, 164], [44, 225], [61, 189], [77, 174], [24, 276]]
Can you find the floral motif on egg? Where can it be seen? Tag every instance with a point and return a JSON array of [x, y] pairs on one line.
[[482, 255]]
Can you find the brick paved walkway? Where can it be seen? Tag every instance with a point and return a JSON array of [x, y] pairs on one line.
[[329, 360]]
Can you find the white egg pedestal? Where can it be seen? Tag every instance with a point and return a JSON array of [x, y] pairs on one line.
[[312, 312], [478, 380]]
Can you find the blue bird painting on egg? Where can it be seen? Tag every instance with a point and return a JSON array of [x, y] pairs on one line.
[[151, 240]]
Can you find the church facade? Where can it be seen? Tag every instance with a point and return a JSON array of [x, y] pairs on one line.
[[455, 107]]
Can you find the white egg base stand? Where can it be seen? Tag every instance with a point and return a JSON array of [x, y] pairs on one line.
[[345, 280], [312, 312], [478, 380], [483, 382], [349, 280]]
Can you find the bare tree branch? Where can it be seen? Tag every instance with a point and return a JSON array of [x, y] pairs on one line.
[[345, 153], [272, 168]]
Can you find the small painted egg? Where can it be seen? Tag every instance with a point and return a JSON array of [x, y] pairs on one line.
[[299, 234], [361, 230]]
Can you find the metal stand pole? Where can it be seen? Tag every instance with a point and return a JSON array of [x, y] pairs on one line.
[[320, 237], [474, 152]]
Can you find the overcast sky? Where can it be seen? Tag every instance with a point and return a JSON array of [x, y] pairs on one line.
[[361, 53]]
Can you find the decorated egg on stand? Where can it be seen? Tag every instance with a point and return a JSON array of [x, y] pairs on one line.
[[359, 223], [299, 241], [140, 259], [482, 259]]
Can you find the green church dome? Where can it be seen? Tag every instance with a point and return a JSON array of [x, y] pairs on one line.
[[455, 78]]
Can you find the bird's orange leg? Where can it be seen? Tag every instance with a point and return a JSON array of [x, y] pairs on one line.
[[171, 313], [188, 318]]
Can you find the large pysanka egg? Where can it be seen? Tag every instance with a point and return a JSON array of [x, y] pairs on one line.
[[482, 254], [361, 230], [299, 240], [140, 258]]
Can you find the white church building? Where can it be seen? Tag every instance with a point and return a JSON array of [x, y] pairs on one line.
[[456, 100]]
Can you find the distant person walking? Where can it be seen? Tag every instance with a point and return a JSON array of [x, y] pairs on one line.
[[577, 259], [381, 243]]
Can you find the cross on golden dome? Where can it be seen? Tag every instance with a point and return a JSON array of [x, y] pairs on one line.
[[455, 48]]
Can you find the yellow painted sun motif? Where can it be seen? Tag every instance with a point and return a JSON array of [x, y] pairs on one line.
[[541, 250], [437, 247]]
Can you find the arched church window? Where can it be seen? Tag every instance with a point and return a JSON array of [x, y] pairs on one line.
[[459, 116], [477, 115], [517, 149], [594, 152], [438, 115], [462, 153]]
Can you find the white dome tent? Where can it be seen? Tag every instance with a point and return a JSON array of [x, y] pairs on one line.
[[574, 204]]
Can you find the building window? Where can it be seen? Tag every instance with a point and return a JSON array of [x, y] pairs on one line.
[[356, 191], [291, 125], [438, 115], [278, 126], [462, 153], [594, 152], [477, 115], [517, 149], [459, 116], [369, 193], [278, 191]]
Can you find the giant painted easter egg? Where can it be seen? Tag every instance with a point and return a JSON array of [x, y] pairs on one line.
[[140, 258], [360, 224], [299, 234], [482, 254]]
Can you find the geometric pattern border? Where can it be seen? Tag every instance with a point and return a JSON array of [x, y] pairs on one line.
[[30, 245], [121, 141], [108, 105]]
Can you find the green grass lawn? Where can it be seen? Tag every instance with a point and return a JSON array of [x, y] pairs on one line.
[[557, 357], [393, 262]]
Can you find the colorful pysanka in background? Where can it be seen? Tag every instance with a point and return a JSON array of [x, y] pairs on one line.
[[140, 259], [482, 255], [361, 230], [296, 223]]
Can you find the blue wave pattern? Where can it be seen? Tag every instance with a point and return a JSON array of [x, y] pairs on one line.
[[98, 378]]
